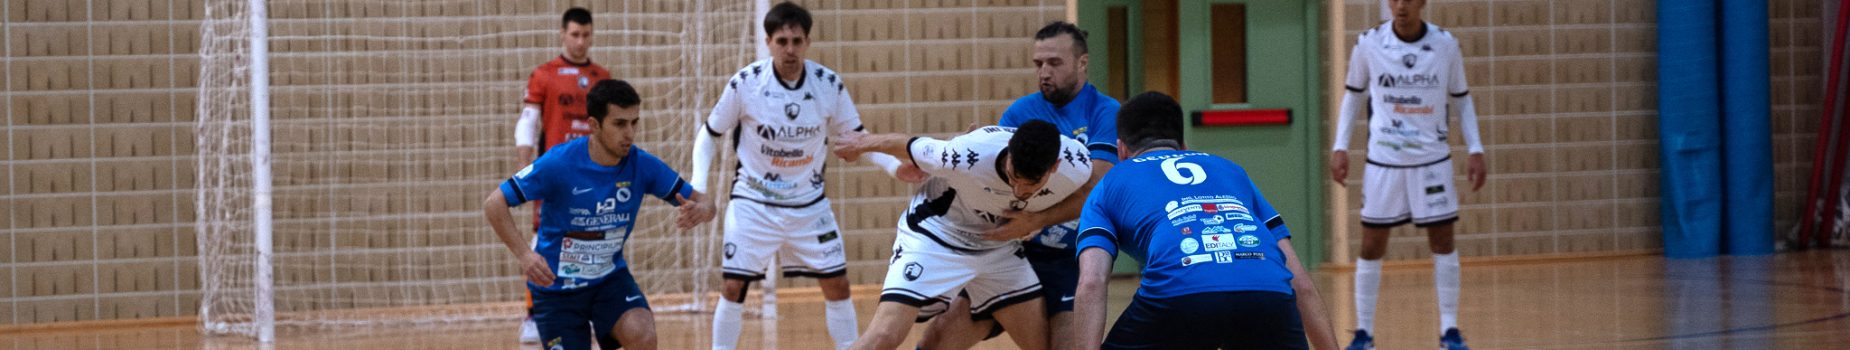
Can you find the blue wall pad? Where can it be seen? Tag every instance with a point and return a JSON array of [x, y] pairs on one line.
[[1689, 133], [1747, 136]]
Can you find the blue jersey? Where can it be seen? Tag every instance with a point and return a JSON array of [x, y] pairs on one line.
[[1092, 118], [587, 209], [1195, 221]]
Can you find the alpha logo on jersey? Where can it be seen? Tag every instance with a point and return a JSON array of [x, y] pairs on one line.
[[1218, 242], [1189, 245], [788, 133], [913, 271], [1409, 80]]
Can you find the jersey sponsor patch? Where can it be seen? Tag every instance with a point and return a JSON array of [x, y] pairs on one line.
[[1218, 242], [1196, 259], [1189, 245]]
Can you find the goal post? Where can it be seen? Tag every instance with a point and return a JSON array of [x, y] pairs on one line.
[[344, 149]]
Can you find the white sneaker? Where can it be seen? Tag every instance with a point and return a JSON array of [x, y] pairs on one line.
[[529, 333]]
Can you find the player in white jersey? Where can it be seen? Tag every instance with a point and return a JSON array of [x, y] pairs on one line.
[[781, 111], [1404, 72], [978, 180]]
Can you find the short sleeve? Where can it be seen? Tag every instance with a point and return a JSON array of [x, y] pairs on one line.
[[845, 117], [931, 155], [663, 181], [1096, 227], [536, 89], [1456, 86], [1102, 130], [1357, 80], [529, 184], [1263, 211], [730, 107]]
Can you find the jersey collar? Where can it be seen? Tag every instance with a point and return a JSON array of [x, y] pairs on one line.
[[569, 62], [801, 76]]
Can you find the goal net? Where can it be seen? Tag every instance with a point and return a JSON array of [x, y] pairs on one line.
[[390, 122]]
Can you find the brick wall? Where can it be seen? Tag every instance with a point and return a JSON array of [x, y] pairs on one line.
[[98, 203]]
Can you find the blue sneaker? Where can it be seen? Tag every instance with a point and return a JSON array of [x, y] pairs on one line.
[[1452, 340], [1362, 341]]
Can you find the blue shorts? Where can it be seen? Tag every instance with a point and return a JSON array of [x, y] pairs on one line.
[[562, 316], [1224, 320], [1059, 274]]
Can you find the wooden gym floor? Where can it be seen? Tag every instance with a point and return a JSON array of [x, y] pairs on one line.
[[1786, 301]]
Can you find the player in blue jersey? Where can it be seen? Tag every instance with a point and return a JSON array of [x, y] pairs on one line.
[[1081, 112], [1218, 268], [591, 189]]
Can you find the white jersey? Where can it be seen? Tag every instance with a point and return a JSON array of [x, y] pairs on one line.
[[1408, 85], [968, 193], [781, 130]]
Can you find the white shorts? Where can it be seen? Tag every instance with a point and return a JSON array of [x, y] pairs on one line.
[[806, 240], [926, 275], [1395, 195]]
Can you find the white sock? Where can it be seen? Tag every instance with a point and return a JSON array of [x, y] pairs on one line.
[[843, 327], [1445, 277], [726, 318], [1367, 285]]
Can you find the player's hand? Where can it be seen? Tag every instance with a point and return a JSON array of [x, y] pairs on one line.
[[692, 213], [534, 266], [973, 126], [1476, 171], [851, 145], [910, 173], [1339, 167], [525, 154], [1016, 225]]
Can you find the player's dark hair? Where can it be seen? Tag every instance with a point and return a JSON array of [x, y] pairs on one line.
[[576, 15], [1056, 28], [1150, 120], [1034, 149], [786, 14], [610, 92]]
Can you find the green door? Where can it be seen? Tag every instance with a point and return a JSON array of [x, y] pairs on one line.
[[1222, 55]]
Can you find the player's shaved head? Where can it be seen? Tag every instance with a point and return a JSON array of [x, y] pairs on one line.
[[786, 14], [578, 15], [610, 92], [1150, 120], [1034, 149]]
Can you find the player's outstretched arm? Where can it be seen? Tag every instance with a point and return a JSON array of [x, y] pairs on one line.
[[853, 144], [1089, 298], [693, 211], [1310, 304], [495, 209]]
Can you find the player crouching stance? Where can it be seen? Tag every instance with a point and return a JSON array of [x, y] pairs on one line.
[[1218, 268], [978, 180], [589, 188]]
